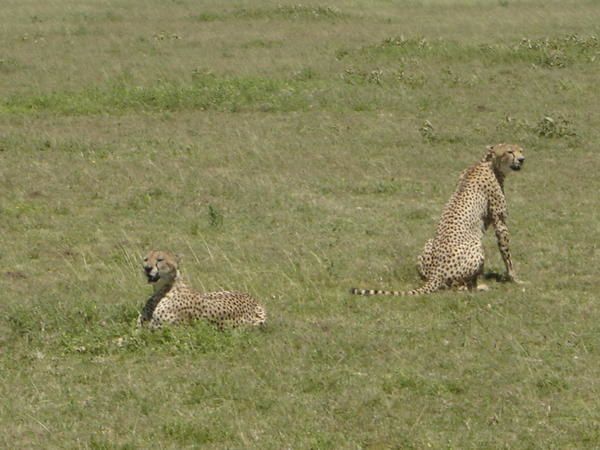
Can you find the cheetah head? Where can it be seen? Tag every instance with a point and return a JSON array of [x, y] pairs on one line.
[[505, 157], [160, 266]]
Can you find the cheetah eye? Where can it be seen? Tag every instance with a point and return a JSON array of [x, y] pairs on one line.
[[160, 259]]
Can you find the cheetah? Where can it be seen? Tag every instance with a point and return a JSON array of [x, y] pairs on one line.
[[454, 257], [173, 302]]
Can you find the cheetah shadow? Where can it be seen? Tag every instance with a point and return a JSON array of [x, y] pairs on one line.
[[496, 276]]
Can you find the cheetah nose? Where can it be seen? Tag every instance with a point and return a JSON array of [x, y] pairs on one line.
[[521, 159]]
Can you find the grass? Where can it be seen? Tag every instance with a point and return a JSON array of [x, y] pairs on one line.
[[294, 151], [281, 12]]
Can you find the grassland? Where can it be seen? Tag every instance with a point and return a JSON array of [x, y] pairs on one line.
[[294, 151]]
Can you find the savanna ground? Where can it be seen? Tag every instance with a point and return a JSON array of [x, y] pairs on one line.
[[295, 151]]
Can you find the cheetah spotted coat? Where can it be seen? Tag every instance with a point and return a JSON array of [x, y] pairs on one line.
[[454, 257], [173, 302]]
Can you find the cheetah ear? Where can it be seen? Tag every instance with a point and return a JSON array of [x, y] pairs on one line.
[[490, 153]]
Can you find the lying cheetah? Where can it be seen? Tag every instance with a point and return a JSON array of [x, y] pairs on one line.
[[454, 257], [174, 303]]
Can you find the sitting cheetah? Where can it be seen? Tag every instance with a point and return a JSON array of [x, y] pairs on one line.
[[174, 303], [454, 257]]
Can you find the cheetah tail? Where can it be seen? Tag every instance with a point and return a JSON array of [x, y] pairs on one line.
[[431, 286], [366, 292]]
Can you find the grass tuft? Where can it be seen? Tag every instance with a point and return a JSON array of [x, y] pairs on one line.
[[554, 128], [546, 52]]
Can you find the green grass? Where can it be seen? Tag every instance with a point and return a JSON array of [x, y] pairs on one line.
[[281, 12], [294, 151]]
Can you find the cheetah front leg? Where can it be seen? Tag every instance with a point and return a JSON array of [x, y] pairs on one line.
[[143, 318], [503, 238], [145, 315]]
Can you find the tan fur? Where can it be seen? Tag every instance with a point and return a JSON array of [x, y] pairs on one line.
[[454, 257], [173, 302]]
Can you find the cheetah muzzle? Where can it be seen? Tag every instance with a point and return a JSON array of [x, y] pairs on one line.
[[517, 164], [152, 278]]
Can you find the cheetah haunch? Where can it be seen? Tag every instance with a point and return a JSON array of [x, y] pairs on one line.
[[454, 257], [175, 303]]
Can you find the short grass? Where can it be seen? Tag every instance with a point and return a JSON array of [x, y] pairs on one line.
[[294, 151]]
